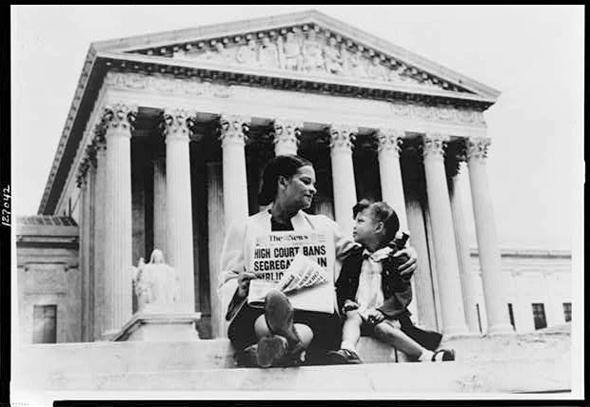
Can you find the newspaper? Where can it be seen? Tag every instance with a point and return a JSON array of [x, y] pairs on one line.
[[300, 264]]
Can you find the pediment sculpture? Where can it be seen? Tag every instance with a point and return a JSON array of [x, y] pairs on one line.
[[312, 51], [156, 285]]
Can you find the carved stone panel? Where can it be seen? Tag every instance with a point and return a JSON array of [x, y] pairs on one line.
[[309, 49]]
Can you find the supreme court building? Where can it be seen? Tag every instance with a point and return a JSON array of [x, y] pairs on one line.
[[166, 139]]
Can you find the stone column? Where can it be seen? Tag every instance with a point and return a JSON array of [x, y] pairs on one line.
[[432, 261], [216, 232], [422, 289], [91, 151], [99, 233], [485, 228], [468, 278], [286, 136], [235, 185], [179, 218], [445, 251], [392, 189], [160, 204], [117, 255], [84, 249], [341, 138]]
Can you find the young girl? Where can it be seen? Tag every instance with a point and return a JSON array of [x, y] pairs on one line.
[[373, 296]]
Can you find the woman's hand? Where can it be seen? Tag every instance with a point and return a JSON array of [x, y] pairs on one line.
[[374, 316], [407, 268], [244, 283]]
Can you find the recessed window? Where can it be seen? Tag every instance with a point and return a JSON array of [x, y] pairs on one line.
[[511, 315], [567, 311], [478, 317], [539, 315], [45, 324]]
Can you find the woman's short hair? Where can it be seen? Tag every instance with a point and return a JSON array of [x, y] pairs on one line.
[[381, 212], [282, 165]]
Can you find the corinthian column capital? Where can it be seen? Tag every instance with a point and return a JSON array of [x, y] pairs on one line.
[[342, 137], [91, 153], [389, 139], [287, 132], [119, 116], [477, 148], [177, 123], [81, 177], [233, 129], [434, 145]]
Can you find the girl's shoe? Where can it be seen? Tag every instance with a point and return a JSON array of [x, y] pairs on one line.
[[443, 355], [344, 357]]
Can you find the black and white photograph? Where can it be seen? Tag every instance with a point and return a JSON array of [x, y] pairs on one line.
[[296, 202]]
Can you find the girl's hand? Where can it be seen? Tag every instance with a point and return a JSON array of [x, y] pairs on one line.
[[349, 306]]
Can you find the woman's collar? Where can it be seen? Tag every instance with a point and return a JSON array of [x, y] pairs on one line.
[[298, 221]]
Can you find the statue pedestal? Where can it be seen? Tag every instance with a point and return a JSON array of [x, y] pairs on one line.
[[160, 327]]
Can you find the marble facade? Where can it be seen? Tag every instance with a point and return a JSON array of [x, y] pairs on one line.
[[168, 134]]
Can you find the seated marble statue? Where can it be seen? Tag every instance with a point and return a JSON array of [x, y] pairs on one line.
[[156, 285]]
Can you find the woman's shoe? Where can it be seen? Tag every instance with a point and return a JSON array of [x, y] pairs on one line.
[[443, 355], [278, 313], [271, 350], [247, 357]]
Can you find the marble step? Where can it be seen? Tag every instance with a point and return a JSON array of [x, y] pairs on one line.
[[520, 363], [382, 379], [116, 357]]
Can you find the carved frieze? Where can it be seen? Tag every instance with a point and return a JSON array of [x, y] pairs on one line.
[[446, 114], [308, 49], [196, 87], [166, 84]]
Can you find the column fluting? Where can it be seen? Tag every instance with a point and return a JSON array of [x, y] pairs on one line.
[[453, 317], [216, 232], [235, 185], [118, 120], [99, 234], [392, 189], [341, 143], [159, 207], [179, 216], [487, 242], [468, 277], [83, 250]]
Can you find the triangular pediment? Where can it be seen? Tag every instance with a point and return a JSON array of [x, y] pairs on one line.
[[308, 43]]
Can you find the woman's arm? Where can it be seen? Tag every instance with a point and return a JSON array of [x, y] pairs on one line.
[[407, 268], [231, 265]]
